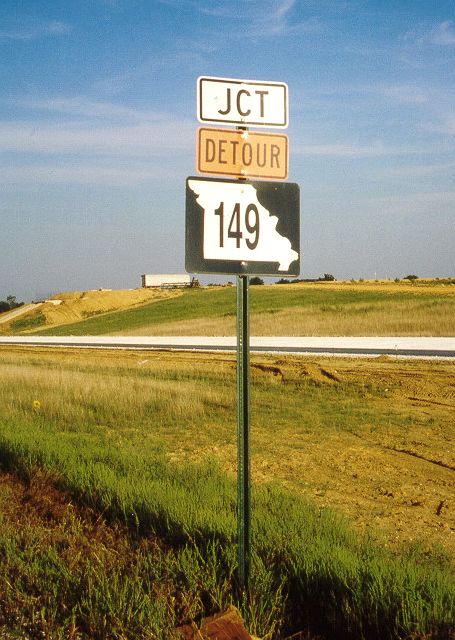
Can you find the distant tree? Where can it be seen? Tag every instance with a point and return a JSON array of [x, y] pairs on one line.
[[412, 278], [256, 280], [283, 281], [9, 303], [328, 277]]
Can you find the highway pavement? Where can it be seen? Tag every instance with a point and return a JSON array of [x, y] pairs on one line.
[[421, 347]]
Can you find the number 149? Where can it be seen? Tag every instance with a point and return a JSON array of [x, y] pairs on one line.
[[240, 223]]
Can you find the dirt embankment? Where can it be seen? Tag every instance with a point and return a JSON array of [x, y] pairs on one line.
[[19, 311], [74, 306], [397, 478], [385, 458]]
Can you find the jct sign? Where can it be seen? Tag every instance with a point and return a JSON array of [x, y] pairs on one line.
[[242, 102]]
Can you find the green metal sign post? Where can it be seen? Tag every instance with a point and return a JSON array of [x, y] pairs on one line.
[[243, 436]]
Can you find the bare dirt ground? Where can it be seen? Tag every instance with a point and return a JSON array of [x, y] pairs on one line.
[[398, 482], [392, 473], [11, 315], [78, 305], [373, 438]]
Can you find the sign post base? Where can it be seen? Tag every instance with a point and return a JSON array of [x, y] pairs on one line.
[[243, 436]]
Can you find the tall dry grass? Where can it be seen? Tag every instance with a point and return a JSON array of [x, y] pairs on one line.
[[409, 318], [298, 310], [329, 309], [104, 424]]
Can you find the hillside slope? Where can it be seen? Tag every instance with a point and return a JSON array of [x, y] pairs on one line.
[[76, 306], [303, 309]]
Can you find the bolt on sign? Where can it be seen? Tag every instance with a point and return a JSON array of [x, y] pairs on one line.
[[248, 103], [242, 227], [242, 153]]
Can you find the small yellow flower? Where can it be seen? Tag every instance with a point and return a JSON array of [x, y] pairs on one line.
[[36, 405]]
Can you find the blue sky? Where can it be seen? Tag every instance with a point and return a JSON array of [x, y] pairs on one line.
[[98, 129]]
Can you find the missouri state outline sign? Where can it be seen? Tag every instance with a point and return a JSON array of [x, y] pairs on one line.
[[242, 227]]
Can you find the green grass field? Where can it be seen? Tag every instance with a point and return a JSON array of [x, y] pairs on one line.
[[426, 309], [148, 440]]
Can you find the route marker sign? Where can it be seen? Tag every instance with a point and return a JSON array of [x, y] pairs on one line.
[[242, 153], [242, 102], [242, 227]]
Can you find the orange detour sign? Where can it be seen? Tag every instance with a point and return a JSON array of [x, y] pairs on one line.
[[242, 153]]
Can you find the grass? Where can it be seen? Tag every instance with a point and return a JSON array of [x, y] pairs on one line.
[[302, 309], [28, 323], [148, 441], [67, 573]]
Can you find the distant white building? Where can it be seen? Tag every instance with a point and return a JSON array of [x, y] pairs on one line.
[[166, 280]]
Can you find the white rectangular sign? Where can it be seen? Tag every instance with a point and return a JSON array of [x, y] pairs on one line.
[[242, 102]]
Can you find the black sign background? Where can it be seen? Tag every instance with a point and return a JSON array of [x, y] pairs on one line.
[[281, 199]]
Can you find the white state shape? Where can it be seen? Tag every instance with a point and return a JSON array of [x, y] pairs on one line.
[[271, 246]]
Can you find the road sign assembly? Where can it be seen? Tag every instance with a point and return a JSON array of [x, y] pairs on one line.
[[242, 153], [248, 103], [242, 227]]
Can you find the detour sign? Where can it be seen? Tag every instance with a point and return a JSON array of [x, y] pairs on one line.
[[242, 153]]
